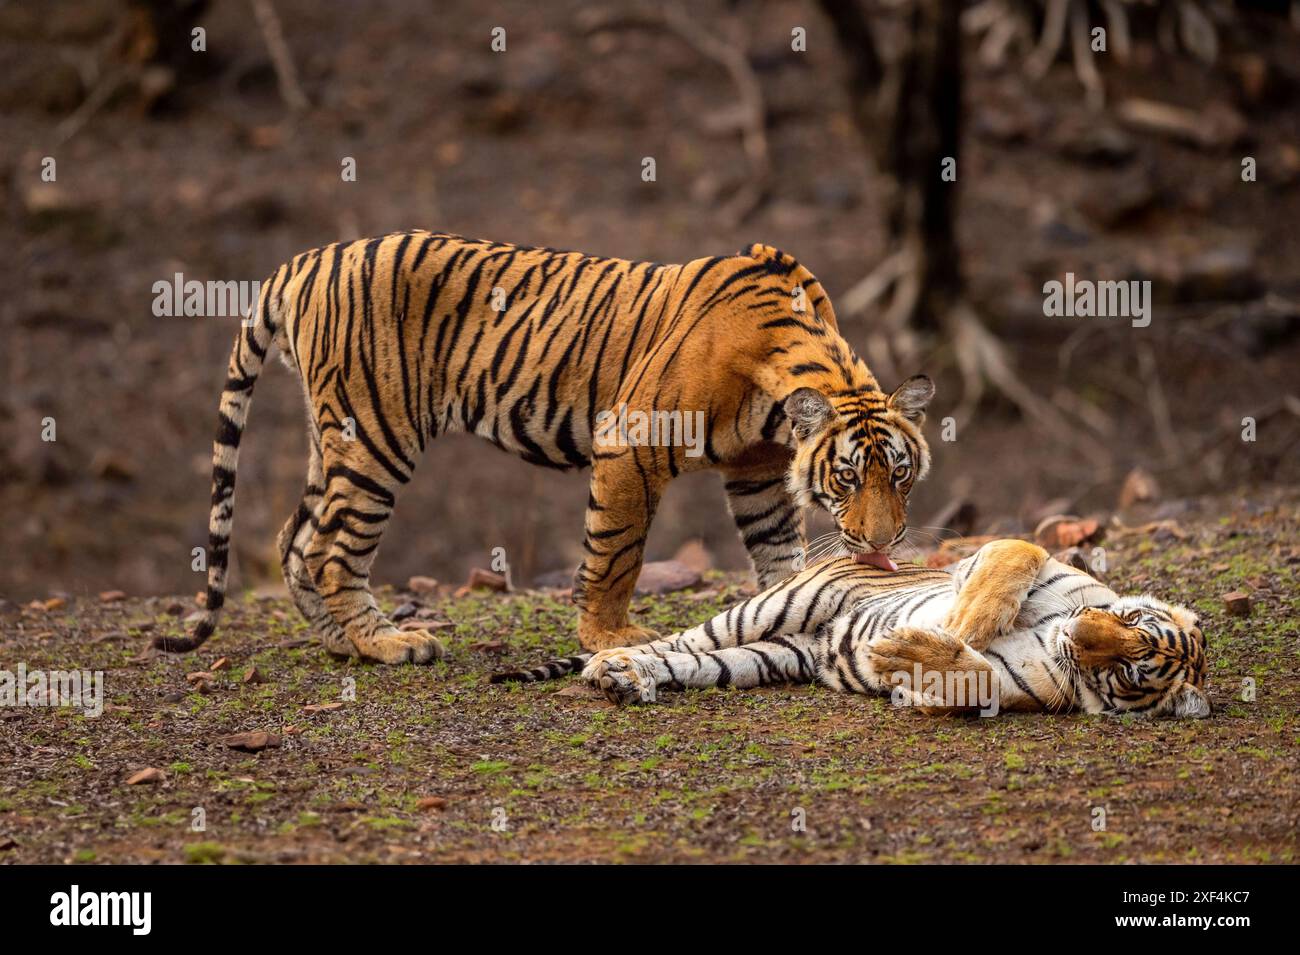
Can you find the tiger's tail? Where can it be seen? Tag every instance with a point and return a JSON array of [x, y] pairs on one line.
[[246, 360], [551, 670]]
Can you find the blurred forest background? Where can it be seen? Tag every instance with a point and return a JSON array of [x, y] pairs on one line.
[[220, 164]]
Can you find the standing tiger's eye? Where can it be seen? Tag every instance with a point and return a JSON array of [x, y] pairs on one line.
[[900, 472]]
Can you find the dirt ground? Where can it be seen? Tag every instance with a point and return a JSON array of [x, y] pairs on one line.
[[543, 145], [434, 764]]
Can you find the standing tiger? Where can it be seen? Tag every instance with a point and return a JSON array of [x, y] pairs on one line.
[[401, 338], [1008, 628]]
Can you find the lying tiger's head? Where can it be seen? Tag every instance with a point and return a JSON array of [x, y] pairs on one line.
[[1139, 655], [857, 455]]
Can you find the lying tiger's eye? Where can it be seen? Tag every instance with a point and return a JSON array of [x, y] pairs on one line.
[[847, 475], [900, 472]]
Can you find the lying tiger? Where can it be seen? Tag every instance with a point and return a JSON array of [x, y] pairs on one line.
[[1031, 632]]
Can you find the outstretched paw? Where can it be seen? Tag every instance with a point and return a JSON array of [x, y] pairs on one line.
[[402, 646], [623, 675]]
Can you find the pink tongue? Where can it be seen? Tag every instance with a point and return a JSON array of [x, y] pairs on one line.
[[876, 559]]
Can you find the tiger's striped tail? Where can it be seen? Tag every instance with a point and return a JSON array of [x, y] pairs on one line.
[[246, 360], [551, 670]]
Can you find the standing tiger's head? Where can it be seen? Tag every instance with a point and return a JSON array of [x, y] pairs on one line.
[[857, 455], [1139, 655]]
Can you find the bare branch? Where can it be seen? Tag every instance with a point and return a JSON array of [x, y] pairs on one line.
[[285, 72]]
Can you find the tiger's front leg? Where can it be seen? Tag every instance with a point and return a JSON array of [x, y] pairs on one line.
[[624, 495], [992, 586], [770, 523]]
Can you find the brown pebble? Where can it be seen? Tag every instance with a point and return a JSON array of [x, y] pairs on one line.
[[1237, 604], [252, 742]]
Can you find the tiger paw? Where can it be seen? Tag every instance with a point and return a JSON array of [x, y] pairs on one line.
[[906, 647], [404, 646], [594, 638], [624, 676], [980, 622]]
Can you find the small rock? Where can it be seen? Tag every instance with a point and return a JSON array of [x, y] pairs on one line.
[[665, 577], [253, 675], [480, 579], [1237, 604], [54, 603], [489, 646], [1081, 559], [694, 555], [199, 676], [252, 742], [221, 663], [1062, 531], [408, 609], [422, 585], [146, 776], [1139, 486], [582, 691], [7, 843], [111, 596], [431, 802]]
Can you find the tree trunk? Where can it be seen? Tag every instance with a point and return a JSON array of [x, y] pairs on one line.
[[908, 112]]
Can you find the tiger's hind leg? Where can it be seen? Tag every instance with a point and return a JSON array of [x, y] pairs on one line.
[[294, 538], [630, 675], [358, 500]]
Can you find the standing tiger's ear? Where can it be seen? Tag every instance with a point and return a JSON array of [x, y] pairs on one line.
[[808, 410], [912, 397]]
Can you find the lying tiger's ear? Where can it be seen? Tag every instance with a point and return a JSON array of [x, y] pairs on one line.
[[808, 410], [912, 397], [1191, 703]]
